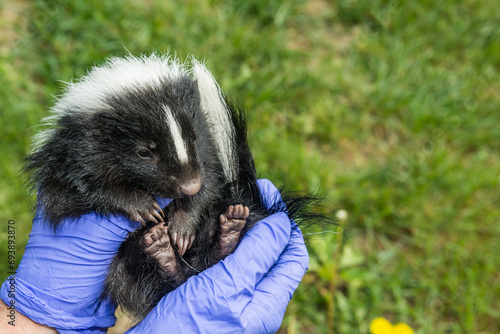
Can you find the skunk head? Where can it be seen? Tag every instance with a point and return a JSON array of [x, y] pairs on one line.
[[124, 132], [145, 139]]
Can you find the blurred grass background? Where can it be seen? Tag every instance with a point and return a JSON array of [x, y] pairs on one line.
[[392, 108]]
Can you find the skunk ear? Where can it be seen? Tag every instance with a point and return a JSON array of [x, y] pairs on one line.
[[217, 113]]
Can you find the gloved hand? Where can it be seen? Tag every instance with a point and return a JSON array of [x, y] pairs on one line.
[[61, 275], [60, 278], [246, 292]]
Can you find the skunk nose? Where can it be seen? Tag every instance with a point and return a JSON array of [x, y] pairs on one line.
[[190, 188]]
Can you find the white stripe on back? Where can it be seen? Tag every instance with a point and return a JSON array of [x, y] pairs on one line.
[[218, 115]]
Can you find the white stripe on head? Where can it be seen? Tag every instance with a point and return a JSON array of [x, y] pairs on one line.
[[117, 76], [113, 78], [175, 131], [216, 111]]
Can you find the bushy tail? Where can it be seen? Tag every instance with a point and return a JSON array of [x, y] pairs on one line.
[[304, 210]]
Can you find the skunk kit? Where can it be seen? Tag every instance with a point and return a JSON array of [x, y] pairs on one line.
[[141, 128]]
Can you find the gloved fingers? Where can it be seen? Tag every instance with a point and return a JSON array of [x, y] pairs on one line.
[[268, 190], [264, 314], [266, 310], [273, 293], [214, 300], [298, 250], [295, 251], [248, 291]]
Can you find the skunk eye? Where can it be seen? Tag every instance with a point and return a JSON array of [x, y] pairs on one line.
[[145, 154]]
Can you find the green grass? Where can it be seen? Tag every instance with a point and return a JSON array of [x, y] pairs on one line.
[[390, 107]]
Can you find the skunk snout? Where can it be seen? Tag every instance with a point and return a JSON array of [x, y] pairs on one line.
[[190, 188]]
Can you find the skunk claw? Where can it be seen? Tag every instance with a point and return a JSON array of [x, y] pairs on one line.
[[157, 215], [160, 210], [152, 218], [180, 247], [137, 218], [174, 238], [191, 240]]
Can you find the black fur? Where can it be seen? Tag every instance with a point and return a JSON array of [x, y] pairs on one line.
[[137, 283], [117, 159], [91, 162]]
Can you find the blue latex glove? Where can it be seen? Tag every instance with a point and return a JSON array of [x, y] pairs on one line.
[[246, 292], [61, 276]]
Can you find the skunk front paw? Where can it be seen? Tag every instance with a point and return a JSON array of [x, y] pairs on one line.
[[148, 212]]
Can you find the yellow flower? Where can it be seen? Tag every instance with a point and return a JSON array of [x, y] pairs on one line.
[[383, 326], [380, 326], [402, 329]]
